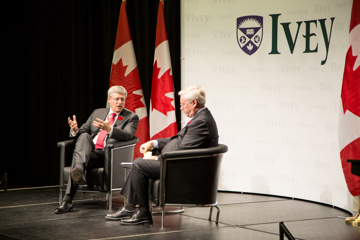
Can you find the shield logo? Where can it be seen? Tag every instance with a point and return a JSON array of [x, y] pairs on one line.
[[249, 33]]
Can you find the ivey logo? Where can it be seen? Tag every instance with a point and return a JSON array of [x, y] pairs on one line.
[[250, 34]]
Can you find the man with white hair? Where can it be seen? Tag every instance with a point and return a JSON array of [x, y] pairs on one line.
[[103, 126], [200, 132]]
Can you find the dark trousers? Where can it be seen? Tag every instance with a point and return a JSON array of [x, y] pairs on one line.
[[136, 186], [86, 156]]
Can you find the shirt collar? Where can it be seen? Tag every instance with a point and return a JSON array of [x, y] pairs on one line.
[[111, 112]]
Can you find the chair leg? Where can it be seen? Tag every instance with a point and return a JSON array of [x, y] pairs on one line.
[[218, 214], [109, 197], [60, 197], [163, 216]]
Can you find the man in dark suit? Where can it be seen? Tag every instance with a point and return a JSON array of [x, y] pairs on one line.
[[200, 132], [103, 126]]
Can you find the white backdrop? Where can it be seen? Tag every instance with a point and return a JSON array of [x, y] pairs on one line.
[[277, 113]]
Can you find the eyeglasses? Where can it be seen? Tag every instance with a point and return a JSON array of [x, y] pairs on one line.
[[118, 99], [183, 105]]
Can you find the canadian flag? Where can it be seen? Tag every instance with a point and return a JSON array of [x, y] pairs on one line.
[[349, 125], [162, 104], [124, 72]]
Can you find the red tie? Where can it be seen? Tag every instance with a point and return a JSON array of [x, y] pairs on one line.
[[103, 133]]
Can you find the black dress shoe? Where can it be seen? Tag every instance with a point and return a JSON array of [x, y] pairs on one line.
[[121, 213], [138, 218], [64, 207], [77, 175]]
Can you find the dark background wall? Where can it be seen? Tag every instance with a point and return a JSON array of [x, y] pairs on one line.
[[56, 63]]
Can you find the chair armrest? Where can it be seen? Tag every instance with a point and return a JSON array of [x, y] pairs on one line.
[[66, 149], [221, 148], [65, 143], [126, 164], [116, 144]]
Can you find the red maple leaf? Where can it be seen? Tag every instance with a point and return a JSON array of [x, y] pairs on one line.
[[350, 93], [160, 87], [131, 83]]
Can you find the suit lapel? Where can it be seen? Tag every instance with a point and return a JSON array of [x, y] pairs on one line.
[[104, 114]]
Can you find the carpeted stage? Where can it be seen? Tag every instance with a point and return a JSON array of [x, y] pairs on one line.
[[29, 214]]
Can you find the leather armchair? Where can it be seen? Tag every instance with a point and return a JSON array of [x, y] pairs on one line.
[[107, 179], [188, 178]]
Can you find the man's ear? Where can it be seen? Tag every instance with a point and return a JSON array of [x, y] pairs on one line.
[[195, 103]]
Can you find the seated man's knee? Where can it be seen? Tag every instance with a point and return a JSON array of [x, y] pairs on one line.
[[84, 137], [137, 162]]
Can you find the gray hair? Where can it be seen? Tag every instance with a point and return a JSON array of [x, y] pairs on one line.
[[117, 89], [194, 93]]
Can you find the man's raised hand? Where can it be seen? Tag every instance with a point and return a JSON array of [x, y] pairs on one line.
[[73, 124], [103, 125]]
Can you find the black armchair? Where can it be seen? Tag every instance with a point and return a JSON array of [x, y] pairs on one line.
[[188, 177], [107, 179]]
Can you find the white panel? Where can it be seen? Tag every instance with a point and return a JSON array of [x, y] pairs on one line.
[[278, 113]]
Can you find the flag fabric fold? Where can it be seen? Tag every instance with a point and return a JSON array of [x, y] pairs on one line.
[[349, 124], [124, 72], [162, 104]]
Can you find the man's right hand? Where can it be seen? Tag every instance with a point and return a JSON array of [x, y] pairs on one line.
[[146, 146], [73, 124]]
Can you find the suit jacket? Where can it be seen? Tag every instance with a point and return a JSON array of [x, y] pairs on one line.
[[124, 128], [201, 132]]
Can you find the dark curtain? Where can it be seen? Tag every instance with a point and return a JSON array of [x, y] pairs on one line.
[[56, 63]]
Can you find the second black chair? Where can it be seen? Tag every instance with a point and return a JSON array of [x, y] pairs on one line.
[[188, 178]]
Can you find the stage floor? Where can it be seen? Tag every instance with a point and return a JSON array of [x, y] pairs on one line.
[[29, 214]]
